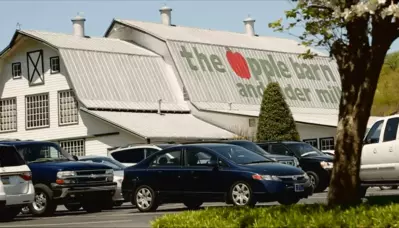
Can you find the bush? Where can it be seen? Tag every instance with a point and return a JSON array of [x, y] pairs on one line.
[[301, 215], [275, 118]]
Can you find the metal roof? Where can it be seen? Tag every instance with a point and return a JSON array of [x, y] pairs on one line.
[[168, 126], [113, 74], [216, 37]]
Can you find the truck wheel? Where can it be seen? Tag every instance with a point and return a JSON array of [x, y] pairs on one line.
[[43, 205], [73, 207], [145, 199]]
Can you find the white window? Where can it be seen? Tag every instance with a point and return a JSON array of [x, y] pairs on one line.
[[67, 108], [55, 65], [16, 70], [74, 147], [327, 143], [37, 111], [312, 142], [8, 114]]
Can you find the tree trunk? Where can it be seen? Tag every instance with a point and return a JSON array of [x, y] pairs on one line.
[[359, 66]]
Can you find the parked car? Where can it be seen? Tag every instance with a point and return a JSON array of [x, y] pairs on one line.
[[314, 162], [283, 159], [59, 179], [118, 174], [16, 187], [196, 173], [380, 155], [132, 154]]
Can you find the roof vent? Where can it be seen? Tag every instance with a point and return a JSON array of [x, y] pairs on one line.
[[78, 25], [166, 15], [249, 26]]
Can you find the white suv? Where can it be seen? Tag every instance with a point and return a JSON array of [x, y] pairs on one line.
[[133, 154], [16, 188]]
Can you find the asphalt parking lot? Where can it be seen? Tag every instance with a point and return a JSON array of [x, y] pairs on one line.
[[128, 216]]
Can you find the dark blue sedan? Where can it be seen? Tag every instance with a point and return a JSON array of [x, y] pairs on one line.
[[197, 173]]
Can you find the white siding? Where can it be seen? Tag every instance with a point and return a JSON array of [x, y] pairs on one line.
[[19, 88]]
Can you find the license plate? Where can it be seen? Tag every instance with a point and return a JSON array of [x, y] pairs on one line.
[[299, 188], [5, 180]]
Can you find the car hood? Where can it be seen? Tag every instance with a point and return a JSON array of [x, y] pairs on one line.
[[276, 169], [319, 158], [67, 165], [280, 157]]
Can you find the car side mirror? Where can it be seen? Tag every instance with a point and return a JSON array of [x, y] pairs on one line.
[[75, 157]]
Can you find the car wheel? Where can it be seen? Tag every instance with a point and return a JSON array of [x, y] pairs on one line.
[[241, 194], [193, 204], [73, 206], [43, 204], [289, 200], [9, 214], [145, 199], [314, 181]]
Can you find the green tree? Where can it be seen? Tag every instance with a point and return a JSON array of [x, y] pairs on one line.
[[358, 34], [275, 118]]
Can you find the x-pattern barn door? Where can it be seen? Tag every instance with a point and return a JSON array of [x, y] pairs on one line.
[[35, 67]]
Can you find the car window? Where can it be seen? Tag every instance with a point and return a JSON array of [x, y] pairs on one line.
[[391, 129], [373, 135], [251, 146], [172, 158], [279, 149], [151, 151], [39, 152], [129, 155], [197, 157], [304, 149], [239, 154], [10, 157], [115, 165]]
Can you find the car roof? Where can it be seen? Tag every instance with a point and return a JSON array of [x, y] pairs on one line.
[[275, 141]]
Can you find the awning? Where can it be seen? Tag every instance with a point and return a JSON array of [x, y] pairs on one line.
[[165, 126]]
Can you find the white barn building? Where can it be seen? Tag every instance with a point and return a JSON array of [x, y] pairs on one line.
[[153, 83]]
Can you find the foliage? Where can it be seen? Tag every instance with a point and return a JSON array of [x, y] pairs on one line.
[[275, 118], [316, 215], [386, 99]]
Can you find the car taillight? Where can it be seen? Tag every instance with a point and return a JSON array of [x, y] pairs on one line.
[[26, 176]]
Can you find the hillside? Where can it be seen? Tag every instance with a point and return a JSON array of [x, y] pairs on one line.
[[386, 99]]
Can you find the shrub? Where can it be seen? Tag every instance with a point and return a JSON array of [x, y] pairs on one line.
[[275, 118], [301, 215]]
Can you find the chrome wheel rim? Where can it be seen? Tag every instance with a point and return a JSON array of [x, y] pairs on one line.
[[144, 198], [312, 180], [40, 201], [241, 194]]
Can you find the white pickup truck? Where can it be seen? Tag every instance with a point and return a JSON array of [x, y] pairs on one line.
[[380, 154]]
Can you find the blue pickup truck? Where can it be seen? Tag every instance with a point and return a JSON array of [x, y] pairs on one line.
[[59, 178]]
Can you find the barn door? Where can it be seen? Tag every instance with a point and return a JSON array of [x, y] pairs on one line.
[[35, 67]]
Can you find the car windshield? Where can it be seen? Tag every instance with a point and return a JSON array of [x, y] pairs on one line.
[[115, 165], [239, 155], [252, 147], [304, 149], [43, 152]]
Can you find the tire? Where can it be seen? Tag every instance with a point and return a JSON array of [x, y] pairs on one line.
[[315, 181], [43, 204], [289, 200], [145, 199], [8, 214], [240, 194], [72, 206], [193, 204]]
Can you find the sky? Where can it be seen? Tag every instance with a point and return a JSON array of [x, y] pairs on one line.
[[55, 15]]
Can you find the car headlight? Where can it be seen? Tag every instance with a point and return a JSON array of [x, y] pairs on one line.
[[266, 177], [326, 165], [296, 162], [65, 174]]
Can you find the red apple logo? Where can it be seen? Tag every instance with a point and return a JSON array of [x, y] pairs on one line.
[[238, 64]]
